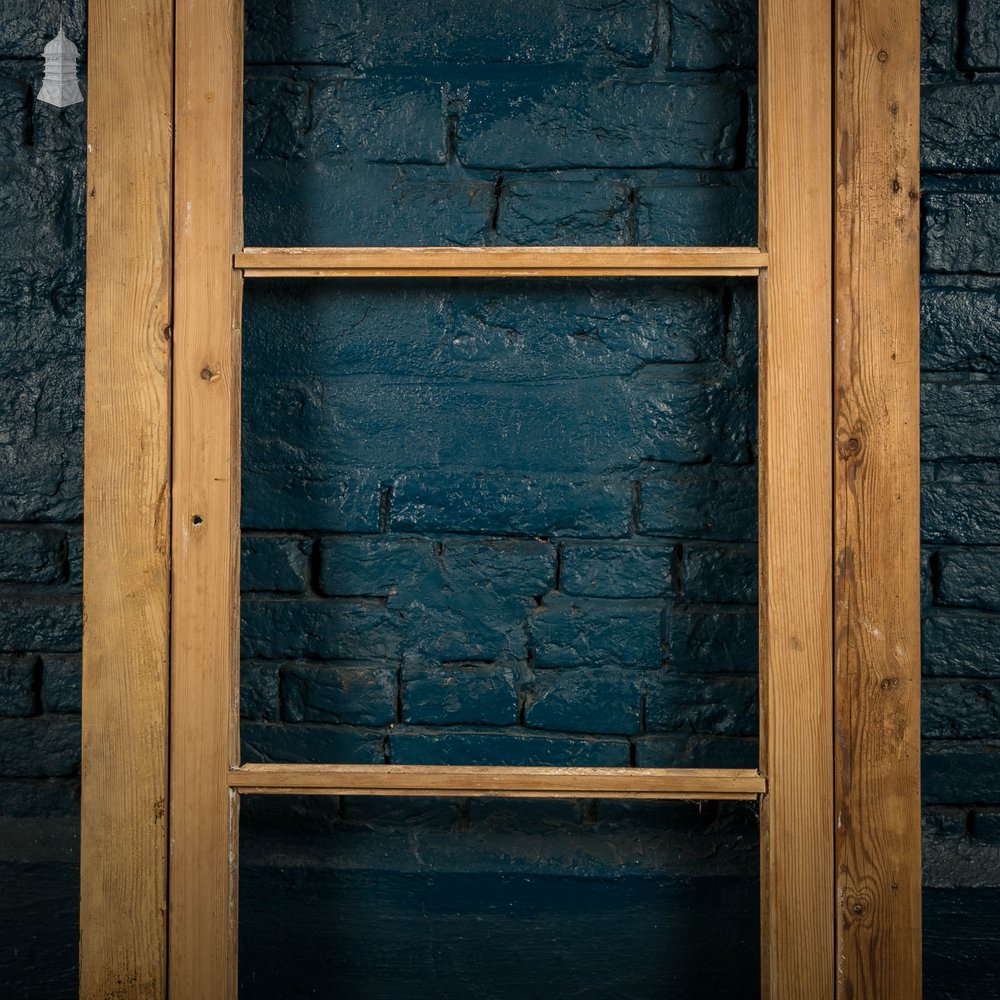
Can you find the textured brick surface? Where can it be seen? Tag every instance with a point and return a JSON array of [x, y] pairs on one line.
[[960, 330], [962, 228], [592, 124], [457, 746], [585, 700], [501, 522], [982, 35], [18, 678], [960, 500], [360, 694], [471, 694]]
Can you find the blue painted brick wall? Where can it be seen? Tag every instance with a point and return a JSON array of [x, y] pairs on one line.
[[502, 523]]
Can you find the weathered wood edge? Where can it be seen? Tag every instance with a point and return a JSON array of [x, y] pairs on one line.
[[796, 502], [877, 504], [123, 852], [206, 495], [515, 782]]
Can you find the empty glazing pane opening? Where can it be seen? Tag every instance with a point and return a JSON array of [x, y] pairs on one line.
[[376, 898], [500, 523], [389, 123]]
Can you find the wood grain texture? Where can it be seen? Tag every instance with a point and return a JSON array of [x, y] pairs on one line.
[[126, 501], [498, 782], [499, 262], [877, 500], [796, 570], [206, 491]]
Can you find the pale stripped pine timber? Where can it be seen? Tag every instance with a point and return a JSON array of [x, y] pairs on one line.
[[499, 262], [797, 862], [497, 782], [123, 851], [205, 583], [877, 375]]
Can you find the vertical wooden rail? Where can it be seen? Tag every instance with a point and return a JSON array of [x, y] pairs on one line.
[[796, 568], [877, 500], [123, 855], [205, 640]]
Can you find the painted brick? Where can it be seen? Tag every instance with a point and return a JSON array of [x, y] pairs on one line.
[[960, 330], [40, 799], [695, 751], [720, 505], [700, 705], [581, 210], [60, 136], [697, 824], [323, 114], [466, 693], [953, 772], [405, 567], [303, 203], [961, 645], [970, 579], [719, 575], [588, 632], [17, 685], [259, 691], [961, 232], [581, 123], [465, 626], [509, 748], [266, 743], [604, 33], [712, 35], [960, 420], [709, 209], [24, 33], [711, 642], [371, 629], [664, 412], [695, 416], [26, 199], [31, 555], [15, 115], [624, 570], [40, 622], [960, 513], [41, 747], [964, 710], [982, 35], [987, 825], [486, 331], [362, 694], [282, 492], [505, 567], [929, 565], [584, 700], [334, 630], [35, 325], [939, 35], [62, 683], [508, 818], [74, 556], [41, 443], [504, 504], [576, 328], [274, 563], [377, 566], [958, 129], [278, 32]]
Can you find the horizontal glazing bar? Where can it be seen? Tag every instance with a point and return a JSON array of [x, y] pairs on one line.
[[497, 782], [499, 262]]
